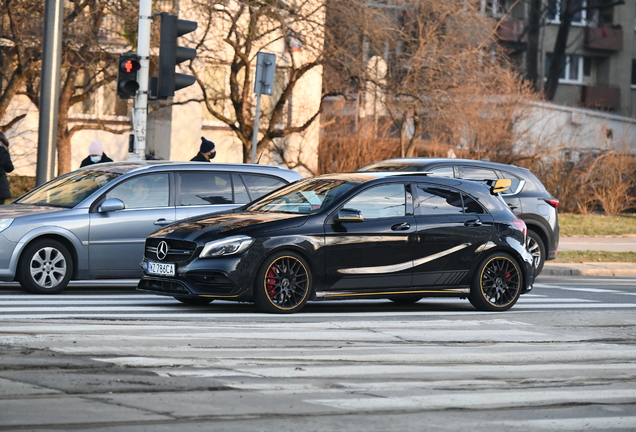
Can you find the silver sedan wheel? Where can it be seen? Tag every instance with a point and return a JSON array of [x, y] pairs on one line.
[[48, 267]]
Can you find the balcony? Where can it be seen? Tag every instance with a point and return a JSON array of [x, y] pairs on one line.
[[601, 97], [601, 38], [513, 30]]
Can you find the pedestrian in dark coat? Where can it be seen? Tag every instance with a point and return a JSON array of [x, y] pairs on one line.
[[207, 151], [95, 154], [6, 166]]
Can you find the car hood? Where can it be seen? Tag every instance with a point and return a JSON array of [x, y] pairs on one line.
[[12, 211], [230, 224]]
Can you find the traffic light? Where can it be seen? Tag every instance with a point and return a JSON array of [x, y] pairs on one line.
[[170, 55], [127, 68]]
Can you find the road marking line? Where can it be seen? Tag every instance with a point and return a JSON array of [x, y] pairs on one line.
[[472, 400]]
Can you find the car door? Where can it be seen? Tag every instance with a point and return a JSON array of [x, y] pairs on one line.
[[116, 239], [451, 228], [374, 254]]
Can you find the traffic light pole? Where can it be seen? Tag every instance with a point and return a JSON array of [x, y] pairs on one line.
[[140, 111]]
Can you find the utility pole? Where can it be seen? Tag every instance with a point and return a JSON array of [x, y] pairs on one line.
[[49, 91], [140, 111]]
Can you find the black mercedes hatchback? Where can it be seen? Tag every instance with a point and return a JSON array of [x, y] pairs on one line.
[[346, 236]]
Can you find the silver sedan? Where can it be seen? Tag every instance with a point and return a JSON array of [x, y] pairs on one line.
[[92, 223]]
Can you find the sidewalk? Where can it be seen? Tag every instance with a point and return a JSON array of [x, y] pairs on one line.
[[589, 269], [608, 244]]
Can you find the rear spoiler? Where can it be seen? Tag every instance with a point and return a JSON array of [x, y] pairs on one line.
[[496, 185]]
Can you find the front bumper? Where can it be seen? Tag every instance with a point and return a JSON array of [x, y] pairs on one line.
[[218, 278]]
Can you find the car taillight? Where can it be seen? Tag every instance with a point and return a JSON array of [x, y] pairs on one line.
[[553, 202], [521, 225]]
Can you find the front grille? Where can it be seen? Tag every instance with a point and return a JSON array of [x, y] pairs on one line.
[[178, 250], [211, 282], [162, 286]]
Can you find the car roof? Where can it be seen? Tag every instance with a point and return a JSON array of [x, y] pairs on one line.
[[155, 165], [361, 177], [454, 161]]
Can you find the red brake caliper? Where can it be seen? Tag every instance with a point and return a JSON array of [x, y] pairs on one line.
[[271, 282]]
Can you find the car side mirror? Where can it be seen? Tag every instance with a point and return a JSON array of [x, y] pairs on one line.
[[111, 204], [349, 215]]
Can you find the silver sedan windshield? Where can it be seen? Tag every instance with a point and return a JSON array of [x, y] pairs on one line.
[[68, 190]]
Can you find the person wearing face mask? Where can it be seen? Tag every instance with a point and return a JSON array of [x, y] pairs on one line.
[[6, 166], [207, 151], [95, 154]]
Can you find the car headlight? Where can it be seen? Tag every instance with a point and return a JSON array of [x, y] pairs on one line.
[[5, 223], [227, 246]]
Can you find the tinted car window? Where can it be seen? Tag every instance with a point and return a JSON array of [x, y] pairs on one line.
[[477, 173], [515, 182], [442, 172], [259, 185], [380, 202], [436, 200], [471, 205], [143, 191], [199, 188], [240, 191]]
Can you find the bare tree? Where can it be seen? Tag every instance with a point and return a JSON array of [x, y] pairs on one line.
[[233, 32], [434, 70], [87, 62]]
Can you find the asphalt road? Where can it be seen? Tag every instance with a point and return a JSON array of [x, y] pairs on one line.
[[110, 359]]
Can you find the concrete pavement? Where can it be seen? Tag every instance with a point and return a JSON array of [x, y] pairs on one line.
[[606, 244]]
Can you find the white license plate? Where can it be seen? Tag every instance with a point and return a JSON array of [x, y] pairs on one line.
[[160, 269]]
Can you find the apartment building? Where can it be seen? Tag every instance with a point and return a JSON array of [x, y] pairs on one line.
[[600, 64]]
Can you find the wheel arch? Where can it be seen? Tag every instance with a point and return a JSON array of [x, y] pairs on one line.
[[304, 254], [66, 241]]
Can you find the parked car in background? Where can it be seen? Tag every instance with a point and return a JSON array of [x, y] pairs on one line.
[[92, 223], [527, 197], [348, 236]]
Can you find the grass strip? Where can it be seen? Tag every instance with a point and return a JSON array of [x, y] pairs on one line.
[[597, 225]]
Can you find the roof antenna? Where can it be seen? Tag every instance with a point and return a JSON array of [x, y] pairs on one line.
[[258, 161]]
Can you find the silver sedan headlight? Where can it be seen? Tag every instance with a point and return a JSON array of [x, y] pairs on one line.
[[227, 246], [5, 223]]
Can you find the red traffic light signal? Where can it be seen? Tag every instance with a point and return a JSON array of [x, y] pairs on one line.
[[127, 84]]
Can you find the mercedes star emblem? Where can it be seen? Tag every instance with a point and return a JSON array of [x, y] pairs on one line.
[[162, 251]]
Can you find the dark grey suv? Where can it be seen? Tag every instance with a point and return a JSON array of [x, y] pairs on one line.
[[527, 197]]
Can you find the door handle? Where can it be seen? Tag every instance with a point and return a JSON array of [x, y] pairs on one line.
[[401, 226], [162, 222], [473, 223]]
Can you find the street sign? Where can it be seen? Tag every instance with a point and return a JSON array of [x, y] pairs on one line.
[[265, 68]]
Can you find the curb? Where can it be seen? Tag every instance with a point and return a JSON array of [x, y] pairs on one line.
[[590, 269]]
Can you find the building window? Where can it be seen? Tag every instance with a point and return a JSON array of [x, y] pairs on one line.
[[633, 73], [576, 68], [493, 8], [579, 6]]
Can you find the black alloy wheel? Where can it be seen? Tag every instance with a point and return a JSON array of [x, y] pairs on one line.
[[496, 284], [193, 300], [45, 267], [283, 283], [536, 248]]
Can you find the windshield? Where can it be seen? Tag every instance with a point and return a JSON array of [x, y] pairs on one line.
[[304, 197], [68, 190]]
